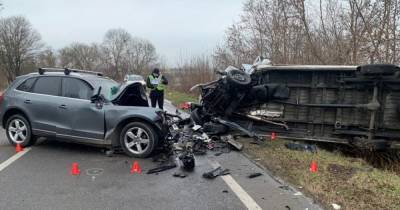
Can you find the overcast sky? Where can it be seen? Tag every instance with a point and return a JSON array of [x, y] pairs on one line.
[[176, 27]]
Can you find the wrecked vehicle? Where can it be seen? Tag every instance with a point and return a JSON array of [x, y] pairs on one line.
[[81, 106], [353, 105]]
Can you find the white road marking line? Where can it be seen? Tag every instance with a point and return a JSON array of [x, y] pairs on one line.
[[238, 190], [13, 158]]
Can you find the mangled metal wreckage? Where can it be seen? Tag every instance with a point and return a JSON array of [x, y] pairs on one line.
[[354, 105]]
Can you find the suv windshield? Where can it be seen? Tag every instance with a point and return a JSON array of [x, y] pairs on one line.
[[109, 88]]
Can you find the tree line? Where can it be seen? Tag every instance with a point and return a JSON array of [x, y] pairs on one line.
[[313, 32], [336, 32], [284, 31], [22, 49]]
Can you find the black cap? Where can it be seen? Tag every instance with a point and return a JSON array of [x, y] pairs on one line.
[[156, 71]]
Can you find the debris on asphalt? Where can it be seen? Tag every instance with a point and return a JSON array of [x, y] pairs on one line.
[[196, 135], [187, 160], [218, 153], [336, 206], [229, 139], [301, 147], [162, 168], [284, 187], [298, 194], [225, 191], [219, 171], [109, 152], [287, 207], [254, 175], [179, 174]]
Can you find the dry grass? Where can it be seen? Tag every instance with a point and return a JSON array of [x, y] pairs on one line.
[[178, 98], [349, 182]]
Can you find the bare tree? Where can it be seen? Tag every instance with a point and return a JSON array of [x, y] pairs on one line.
[[314, 32], [115, 47], [18, 43], [46, 58], [80, 55], [191, 70], [140, 55]]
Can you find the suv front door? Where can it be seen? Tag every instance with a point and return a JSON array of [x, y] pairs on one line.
[[83, 121]]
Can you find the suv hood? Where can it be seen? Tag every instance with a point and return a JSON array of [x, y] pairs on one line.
[[132, 94]]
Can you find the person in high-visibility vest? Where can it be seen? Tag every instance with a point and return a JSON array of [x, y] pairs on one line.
[[157, 84]]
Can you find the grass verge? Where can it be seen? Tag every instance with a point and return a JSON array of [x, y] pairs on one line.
[[178, 98], [350, 182]]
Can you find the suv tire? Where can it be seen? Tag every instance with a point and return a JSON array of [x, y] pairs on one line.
[[18, 130], [138, 146]]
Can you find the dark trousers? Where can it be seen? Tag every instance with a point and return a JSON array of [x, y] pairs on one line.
[[157, 96]]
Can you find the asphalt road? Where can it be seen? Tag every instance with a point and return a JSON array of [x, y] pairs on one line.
[[40, 179]]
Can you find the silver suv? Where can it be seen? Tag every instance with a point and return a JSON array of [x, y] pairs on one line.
[[81, 106]]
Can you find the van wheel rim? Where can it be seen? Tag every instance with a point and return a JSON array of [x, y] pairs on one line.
[[136, 140], [17, 131]]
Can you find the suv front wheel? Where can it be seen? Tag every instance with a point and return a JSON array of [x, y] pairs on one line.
[[138, 139], [19, 131]]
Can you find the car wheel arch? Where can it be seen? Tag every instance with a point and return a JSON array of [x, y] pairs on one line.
[[13, 111], [122, 123]]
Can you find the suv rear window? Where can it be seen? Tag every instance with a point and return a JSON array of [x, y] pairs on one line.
[[48, 86], [27, 85]]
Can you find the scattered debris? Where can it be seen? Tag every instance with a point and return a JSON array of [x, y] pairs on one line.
[[298, 194], [109, 152], [216, 172], [301, 147], [229, 139], [287, 207], [187, 160], [254, 175], [179, 174], [225, 191], [284, 187], [336, 206], [218, 153], [162, 168]]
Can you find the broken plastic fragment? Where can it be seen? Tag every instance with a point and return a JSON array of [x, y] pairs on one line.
[[253, 175], [336, 206]]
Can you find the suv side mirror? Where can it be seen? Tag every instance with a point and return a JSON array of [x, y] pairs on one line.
[[96, 96]]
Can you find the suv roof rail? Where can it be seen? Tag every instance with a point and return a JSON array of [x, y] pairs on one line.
[[67, 71]]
